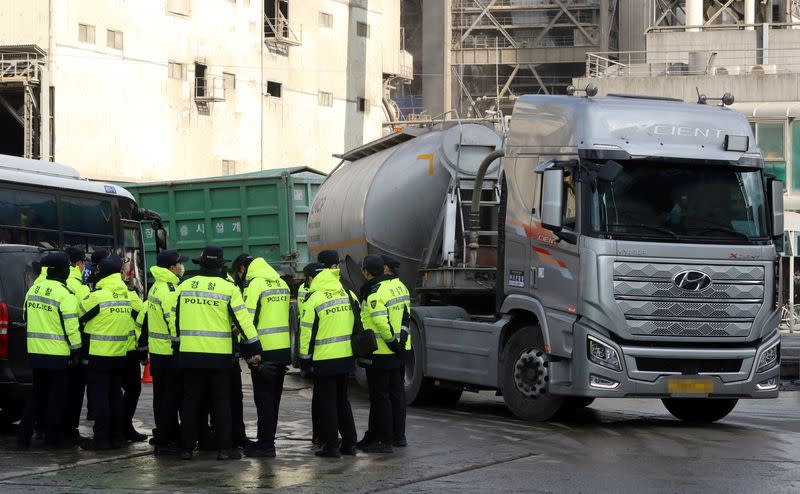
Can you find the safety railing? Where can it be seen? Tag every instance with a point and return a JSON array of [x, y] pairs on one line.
[[20, 67], [688, 62], [209, 89], [280, 30]]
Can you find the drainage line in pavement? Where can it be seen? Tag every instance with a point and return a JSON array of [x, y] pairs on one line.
[[81, 463], [454, 472]]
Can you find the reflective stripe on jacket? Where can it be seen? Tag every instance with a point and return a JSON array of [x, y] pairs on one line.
[[328, 310], [160, 306], [267, 298]]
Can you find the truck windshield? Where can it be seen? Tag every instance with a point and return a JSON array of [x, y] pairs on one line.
[[704, 204]]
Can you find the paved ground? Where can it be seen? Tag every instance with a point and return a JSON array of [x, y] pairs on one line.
[[613, 446]]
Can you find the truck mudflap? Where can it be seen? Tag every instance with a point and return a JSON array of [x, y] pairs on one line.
[[663, 372]]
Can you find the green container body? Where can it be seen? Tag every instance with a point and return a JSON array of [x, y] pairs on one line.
[[264, 214]]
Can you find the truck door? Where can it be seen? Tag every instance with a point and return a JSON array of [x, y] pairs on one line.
[[554, 262]]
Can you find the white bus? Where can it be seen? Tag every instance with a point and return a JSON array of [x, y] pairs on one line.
[[49, 205]]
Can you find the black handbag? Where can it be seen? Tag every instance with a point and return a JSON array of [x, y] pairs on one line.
[[362, 340]]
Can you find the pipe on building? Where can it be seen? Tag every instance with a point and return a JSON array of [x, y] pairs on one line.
[[474, 210], [694, 15], [749, 14]]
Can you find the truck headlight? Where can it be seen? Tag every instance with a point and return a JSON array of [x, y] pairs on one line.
[[602, 354], [769, 358]]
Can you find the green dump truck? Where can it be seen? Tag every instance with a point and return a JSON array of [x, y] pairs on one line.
[[263, 213]]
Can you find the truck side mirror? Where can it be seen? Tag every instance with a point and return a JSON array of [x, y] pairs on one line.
[[552, 198], [775, 189]]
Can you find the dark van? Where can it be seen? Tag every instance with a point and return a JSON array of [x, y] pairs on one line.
[[19, 267]]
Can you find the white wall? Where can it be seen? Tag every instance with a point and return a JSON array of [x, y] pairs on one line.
[[118, 116]]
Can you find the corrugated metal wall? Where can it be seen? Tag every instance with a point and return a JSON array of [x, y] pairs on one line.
[[635, 16]]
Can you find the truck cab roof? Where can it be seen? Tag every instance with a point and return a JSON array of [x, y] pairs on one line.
[[621, 127]]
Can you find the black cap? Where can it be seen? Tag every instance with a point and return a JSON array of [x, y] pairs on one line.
[[170, 257], [328, 257], [75, 254], [212, 257], [373, 265], [99, 255], [56, 261], [110, 265], [243, 259], [313, 269], [390, 262]]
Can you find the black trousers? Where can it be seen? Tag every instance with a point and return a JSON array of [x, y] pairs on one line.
[[333, 412], [48, 394], [387, 404], [131, 388], [74, 400], [105, 389], [267, 392], [198, 386], [167, 394], [237, 406]]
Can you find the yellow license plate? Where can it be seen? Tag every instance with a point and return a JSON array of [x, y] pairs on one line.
[[676, 386]]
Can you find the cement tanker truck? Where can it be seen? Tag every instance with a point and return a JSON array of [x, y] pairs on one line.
[[598, 247]]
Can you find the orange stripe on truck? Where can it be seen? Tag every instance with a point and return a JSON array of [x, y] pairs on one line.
[[339, 245]]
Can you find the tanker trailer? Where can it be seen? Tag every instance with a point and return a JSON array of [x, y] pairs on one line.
[[627, 247]]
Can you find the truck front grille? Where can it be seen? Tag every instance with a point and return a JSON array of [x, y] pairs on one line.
[[688, 366], [655, 306]]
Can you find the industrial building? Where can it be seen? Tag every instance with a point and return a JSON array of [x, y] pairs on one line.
[[171, 89], [684, 49], [479, 55]]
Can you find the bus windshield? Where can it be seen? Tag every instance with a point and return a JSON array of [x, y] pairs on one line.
[[702, 204]]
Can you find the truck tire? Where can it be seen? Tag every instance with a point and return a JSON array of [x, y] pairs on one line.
[[419, 389], [699, 410], [525, 377]]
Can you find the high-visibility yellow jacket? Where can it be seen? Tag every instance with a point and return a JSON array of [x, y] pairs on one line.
[[51, 312], [75, 283], [160, 306], [267, 298], [108, 316], [206, 309], [326, 326], [382, 312]]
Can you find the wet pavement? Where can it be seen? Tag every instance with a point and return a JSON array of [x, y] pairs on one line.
[[477, 446]]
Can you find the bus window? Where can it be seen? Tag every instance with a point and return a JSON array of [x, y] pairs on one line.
[[127, 209], [87, 215], [28, 209], [88, 243], [46, 239], [133, 269]]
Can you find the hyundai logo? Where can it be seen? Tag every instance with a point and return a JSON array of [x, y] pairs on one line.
[[692, 281]]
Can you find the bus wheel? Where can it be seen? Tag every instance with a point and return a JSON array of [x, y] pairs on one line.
[[525, 377], [699, 410]]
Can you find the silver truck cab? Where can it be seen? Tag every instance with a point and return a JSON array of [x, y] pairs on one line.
[[641, 234]]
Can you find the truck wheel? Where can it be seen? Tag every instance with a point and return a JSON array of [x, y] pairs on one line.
[[419, 389], [525, 377], [699, 410]]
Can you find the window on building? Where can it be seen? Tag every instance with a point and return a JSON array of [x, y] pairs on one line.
[[362, 29], [228, 167], [325, 99], [363, 104], [86, 33], [277, 14], [114, 39], [200, 82], [229, 81], [177, 71], [179, 7], [274, 89], [325, 19]]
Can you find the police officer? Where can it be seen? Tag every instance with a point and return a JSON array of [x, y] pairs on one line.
[[382, 311], [132, 374], [330, 259], [303, 292], [77, 374], [167, 382], [207, 306], [325, 330], [54, 343], [108, 316], [96, 257], [400, 302], [267, 298], [240, 439]]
